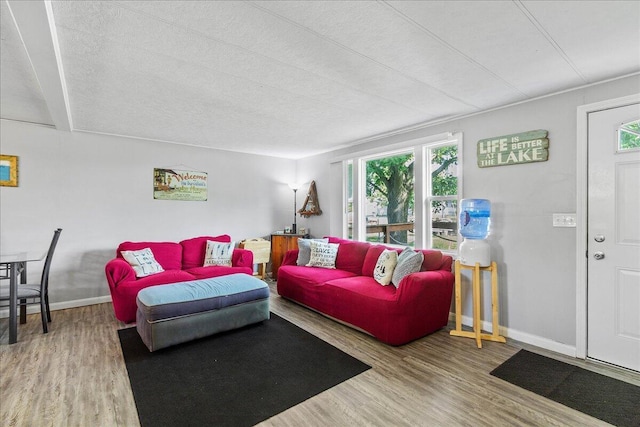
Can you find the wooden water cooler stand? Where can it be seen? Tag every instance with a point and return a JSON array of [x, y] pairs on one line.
[[477, 318]]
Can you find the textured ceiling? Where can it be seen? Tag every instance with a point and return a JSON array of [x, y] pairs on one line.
[[295, 78]]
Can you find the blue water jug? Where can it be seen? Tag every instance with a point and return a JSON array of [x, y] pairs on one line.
[[475, 218]]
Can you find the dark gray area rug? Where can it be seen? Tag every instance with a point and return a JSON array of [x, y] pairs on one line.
[[236, 378], [608, 399]]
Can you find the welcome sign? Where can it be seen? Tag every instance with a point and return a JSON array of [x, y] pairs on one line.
[[171, 184], [526, 147]]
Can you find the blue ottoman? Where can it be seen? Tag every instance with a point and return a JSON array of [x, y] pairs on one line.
[[180, 312]]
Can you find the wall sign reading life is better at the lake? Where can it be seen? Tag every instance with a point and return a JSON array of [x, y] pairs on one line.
[[526, 147]]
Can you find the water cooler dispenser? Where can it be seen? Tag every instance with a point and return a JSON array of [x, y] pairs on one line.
[[475, 220]]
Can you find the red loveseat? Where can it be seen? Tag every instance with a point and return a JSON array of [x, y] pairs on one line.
[[181, 262], [417, 307]]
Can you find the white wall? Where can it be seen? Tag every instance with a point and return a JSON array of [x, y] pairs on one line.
[[99, 190], [536, 262]]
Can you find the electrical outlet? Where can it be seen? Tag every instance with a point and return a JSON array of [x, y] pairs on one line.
[[564, 220]]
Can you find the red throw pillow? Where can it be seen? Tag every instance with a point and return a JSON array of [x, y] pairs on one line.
[[432, 260], [351, 256], [371, 259], [193, 249]]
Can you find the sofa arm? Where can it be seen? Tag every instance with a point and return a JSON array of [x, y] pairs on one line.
[[118, 270], [436, 286], [290, 257], [242, 258]]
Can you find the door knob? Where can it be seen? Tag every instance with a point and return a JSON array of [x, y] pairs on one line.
[[598, 255], [598, 238]]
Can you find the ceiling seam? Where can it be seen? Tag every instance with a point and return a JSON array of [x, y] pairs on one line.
[[51, 80], [452, 48], [367, 94], [354, 52], [26, 51], [58, 56], [549, 38]]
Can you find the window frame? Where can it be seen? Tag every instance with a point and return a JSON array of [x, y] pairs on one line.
[[429, 197], [422, 185]]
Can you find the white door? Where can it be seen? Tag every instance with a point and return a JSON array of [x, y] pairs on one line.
[[613, 266]]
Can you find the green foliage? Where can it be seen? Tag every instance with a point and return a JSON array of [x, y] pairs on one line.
[[390, 183], [444, 183], [630, 136]]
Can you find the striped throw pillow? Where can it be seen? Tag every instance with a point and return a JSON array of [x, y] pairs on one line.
[[409, 262]]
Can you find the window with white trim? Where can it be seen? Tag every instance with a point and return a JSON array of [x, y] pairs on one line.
[[442, 196], [405, 196]]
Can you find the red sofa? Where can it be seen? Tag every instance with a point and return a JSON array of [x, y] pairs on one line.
[[181, 262], [419, 306]]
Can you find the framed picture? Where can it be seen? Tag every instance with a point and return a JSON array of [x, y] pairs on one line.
[[8, 171], [172, 184]]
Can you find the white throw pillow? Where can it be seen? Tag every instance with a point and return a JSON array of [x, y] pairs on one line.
[[323, 254], [409, 261], [142, 262], [218, 253], [385, 265], [304, 250]]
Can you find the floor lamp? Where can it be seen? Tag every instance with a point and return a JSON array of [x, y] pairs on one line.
[[294, 227]]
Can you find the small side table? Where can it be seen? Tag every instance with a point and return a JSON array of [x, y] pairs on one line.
[[261, 250], [477, 322]]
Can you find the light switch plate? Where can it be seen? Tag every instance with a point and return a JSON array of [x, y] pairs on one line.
[[564, 220]]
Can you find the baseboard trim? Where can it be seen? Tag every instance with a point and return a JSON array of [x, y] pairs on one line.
[[523, 337], [4, 313]]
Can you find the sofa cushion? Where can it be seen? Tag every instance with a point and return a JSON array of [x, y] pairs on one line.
[[218, 253], [333, 239], [409, 261], [371, 259], [193, 249], [168, 254], [432, 260], [385, 265], [304, 250], [360, 288], [323, 254], [170, 276], [216, 271], [351, 256], [142, 262], [302, 276]]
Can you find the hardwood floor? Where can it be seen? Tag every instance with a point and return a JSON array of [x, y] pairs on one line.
[[75, 376]]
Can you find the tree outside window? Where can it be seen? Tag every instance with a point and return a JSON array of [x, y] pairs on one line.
[[382, 190], [390, 199], [443, 197]]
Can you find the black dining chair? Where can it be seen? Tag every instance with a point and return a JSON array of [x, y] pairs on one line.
[[29, 294]]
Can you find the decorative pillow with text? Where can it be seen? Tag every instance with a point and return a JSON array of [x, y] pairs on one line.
[[323, 254], [383, 270], [143, 262], [218, 253], [304, 250]]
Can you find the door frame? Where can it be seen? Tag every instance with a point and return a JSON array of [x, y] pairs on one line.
[[582, 199]]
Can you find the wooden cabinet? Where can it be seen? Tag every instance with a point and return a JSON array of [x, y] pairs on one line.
[[280, 244]]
